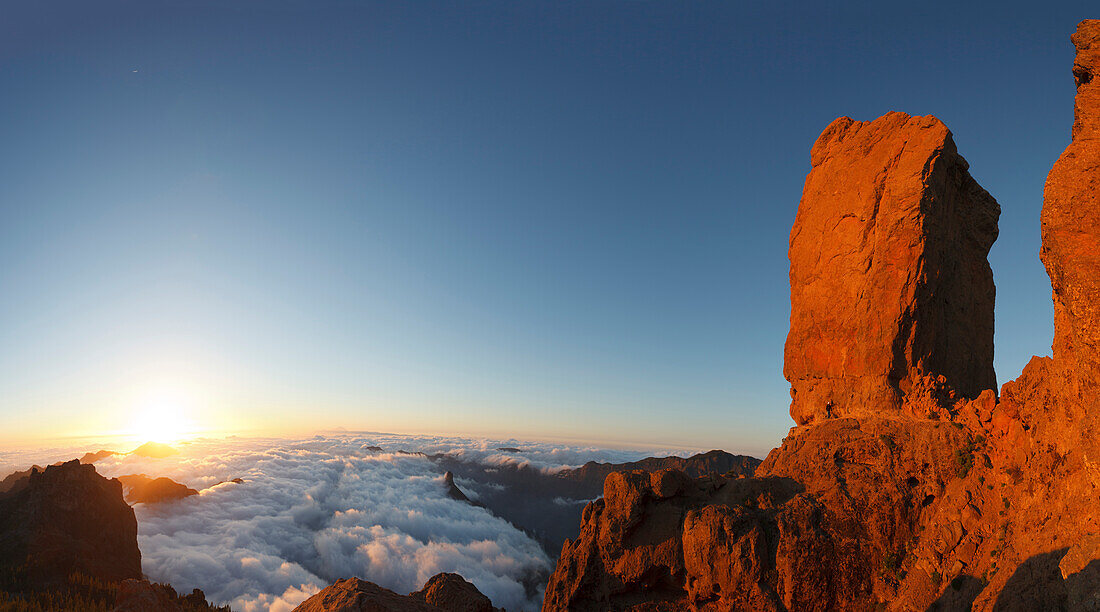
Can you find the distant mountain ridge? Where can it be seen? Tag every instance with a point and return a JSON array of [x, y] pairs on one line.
[[546, 505], [703, 464]]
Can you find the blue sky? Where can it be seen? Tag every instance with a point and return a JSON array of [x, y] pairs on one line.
[[551, 220]]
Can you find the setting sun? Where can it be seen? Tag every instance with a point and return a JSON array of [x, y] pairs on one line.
[[163, 417]]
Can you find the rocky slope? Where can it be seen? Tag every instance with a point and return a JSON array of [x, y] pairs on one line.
[[441, 593], [908, 484]]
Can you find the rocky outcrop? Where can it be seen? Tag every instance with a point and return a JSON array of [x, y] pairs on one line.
[[889, 279], [811, 532], [891, 331], [68, 541], [448, 591], [909, 484], [68, 519], [546, 505], [18, 480], [141, 489], [1071, 222], [453, 491], [441, 593]]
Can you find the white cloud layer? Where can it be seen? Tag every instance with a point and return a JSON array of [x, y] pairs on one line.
[[316, 510]]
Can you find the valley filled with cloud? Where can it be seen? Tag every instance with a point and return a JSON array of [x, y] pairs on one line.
[[276, 520]]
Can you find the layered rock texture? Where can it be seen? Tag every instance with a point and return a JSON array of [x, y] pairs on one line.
[[441, 593], [889, 278], [908, 483]]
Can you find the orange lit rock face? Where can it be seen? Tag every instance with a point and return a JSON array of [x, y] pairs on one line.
[[1071, 220], [960, 500], [889, 277], [811, 531]]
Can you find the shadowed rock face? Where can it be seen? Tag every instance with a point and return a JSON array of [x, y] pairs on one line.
[[69, 519], [889, 278], [1071, 220], [453, 491], [441, 593]]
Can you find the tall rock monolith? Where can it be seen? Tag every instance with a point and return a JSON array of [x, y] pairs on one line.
[[1071, 223], [890, 285]]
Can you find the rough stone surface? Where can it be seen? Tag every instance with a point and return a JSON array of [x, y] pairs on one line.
[[889, 277], [1071, 220], [810, 532], [1080, 568]]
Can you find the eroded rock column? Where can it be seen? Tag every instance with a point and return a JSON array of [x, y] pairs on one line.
[[889, 278], [1071, 220]]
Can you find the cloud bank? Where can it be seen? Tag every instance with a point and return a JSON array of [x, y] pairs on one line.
[[311, 511]]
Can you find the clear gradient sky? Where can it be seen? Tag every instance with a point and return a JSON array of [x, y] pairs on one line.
[[554, 219]]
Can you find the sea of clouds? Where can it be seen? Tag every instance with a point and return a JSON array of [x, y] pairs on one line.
[[311, 511]]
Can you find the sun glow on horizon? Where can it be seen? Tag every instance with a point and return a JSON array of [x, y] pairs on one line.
[[164, 416]]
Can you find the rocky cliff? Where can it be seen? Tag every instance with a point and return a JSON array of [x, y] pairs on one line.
[[68, 519], [908, 484], [68, 541], [1071, 222]]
